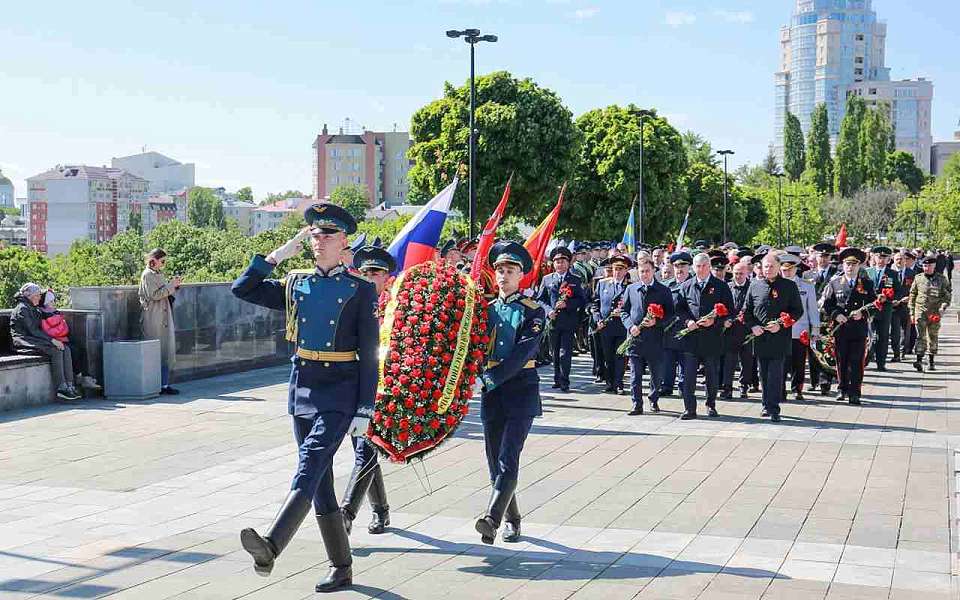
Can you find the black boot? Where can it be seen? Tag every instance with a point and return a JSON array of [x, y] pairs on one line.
[[356, 489], [378, 503], [488, 524], [337, 543], [511, 521], [918, 364], [265, 549], [930, 359]]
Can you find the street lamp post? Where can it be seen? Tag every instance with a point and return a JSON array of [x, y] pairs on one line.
[[638, 223], [725, 153], [472, 37], [779, 177], [916, 220]]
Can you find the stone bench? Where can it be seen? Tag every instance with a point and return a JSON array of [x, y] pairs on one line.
[[24, 380]]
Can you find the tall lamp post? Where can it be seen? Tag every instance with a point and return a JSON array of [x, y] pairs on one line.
[[779, 177], [725, 153], [642, 113], [472, 37]]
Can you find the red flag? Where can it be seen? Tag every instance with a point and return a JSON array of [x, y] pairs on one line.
[[842, 237], [536, 244], [488, 235]]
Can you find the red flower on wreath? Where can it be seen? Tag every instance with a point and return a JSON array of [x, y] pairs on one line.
[[805, 338]]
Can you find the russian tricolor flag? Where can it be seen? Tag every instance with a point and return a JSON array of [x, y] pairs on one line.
[[417, 241]]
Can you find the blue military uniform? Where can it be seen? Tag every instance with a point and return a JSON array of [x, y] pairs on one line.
[[510, 398], [605, 312], [646, 351], [564, 325], [332, 321]]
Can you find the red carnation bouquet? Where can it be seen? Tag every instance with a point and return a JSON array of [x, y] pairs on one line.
[[432, 345], [805, 337], [785, 321], [654, 312], [566, 292], [886, 294], [933, 318], [719, 310]]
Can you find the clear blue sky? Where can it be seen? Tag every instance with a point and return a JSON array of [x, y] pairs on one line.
[[242, 87]]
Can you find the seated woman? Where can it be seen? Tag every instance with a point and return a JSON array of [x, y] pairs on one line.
[[28, 336], [56, 327]]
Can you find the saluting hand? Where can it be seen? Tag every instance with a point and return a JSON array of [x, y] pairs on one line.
[[289, 249]]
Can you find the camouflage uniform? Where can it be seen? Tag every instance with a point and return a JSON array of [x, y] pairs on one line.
[[929, 295]]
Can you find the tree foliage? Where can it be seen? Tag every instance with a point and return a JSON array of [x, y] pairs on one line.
[[874, 138], [17, 267], [869, 214], [902, 167], [847, 169], [245, 194], [353, 197], [819, 161], [608, 171], [523, 129], [770, 164], [698, 149], [794, 154], [204, 209], [704, 192]]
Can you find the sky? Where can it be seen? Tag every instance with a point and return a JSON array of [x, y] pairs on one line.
[[241, 88]]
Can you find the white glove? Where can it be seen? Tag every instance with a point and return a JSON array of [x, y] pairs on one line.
[[290, 249], [359, 426]]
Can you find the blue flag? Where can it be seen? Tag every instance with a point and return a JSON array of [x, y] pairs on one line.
[[628, 238]]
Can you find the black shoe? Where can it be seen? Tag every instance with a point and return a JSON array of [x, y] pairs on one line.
[[654, 407], [511, 522], [744, 394], [755, 389], [799, 396], [841, 397], [378, 503], [882, 368], [918, 364], [379, 522], [931, 366], [487, 530], [665, 393], [712, 412], [688, 416], [66, 395], [896, 358], [824, 389], [610, 390], [775, 418], [360, 480], [726, 395], [564, 388], [488, 524], [764, 413], [598, 379], [265, 549], [555, 386], [337, 543], [854, 400], [622, 392], [169, 391], [637, 410]]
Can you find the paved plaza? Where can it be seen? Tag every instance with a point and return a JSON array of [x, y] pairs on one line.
[[145, 500]]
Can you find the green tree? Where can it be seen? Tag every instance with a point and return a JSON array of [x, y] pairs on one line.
[[204, 209], [794, 155], [17, 267], [605, 181], [793, 216], [353, 197], [698, 149], [901, 166], [951, 172], [136, 222], [770, 164], [523, 129], [819, 161], [272, 198], [874, 135], [847, 168], [704, 192], [869, 214], [245, 194]]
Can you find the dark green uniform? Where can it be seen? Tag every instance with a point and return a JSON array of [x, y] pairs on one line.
[[929, 295]]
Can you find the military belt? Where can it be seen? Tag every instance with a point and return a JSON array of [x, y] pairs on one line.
[[345, 356], [530, 364]]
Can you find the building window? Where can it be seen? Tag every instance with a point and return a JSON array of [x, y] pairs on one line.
[[873, 91]]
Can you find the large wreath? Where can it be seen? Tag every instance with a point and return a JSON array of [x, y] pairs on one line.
[[432, 345]]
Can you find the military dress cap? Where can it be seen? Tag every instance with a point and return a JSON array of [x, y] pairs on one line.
[[824, 247], [929, 260], [852, 255], [681, 257], [372, 257], [644, 247], [466, 244], [730, 246], [327, 215], [794, 250], [359, 242], [561, 251], [790, 259], [447, 247], [717, 262], [716, 253], [578, 247], [758, 258], [881, 250], [908, 254], [511, 253], [742, 252], [623, 259], [763, 248], [701, 245], [377, 242]]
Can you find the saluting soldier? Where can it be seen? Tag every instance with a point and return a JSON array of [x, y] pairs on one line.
[[929, 297], [843, 299], [562, 297], [883, 277], [510, 398], [704, 343], [606, 317], [332, 320], [376, 265], [646, 351]]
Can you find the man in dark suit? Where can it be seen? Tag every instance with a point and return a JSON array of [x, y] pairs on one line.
[[562, 296], [735, 351], [704, 344], [883, 277], [606, 312], [646, 351], [824, 271], [672, 347], [770, 296], [901, 330]]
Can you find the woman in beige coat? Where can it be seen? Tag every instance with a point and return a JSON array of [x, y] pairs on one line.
[[156, 299]]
